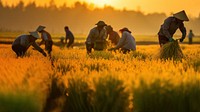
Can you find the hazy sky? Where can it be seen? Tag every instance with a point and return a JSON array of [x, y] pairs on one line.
[[167, 6]]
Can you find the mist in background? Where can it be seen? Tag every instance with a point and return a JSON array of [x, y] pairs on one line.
[[81, 18]]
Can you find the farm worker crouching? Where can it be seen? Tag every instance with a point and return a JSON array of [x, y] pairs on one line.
[[113, 35], [96, 38], [169, 27], [126, 43], [23, 42], [190, 36], [46, 38], [70, 36]]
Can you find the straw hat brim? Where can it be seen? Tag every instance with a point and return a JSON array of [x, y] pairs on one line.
[[125, 29], [35, 34], [181, 16], [40, 28]]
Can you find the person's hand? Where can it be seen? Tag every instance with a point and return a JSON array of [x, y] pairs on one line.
[[44, 54], [181, 40], [171, 39]]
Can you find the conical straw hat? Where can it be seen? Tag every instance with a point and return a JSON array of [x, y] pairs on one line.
[[125, 29], [40, 28], [34, 34], [181, 15], [101, 23]]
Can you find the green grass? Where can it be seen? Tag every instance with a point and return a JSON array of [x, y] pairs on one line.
[[110, 95], [167, 98], [78, 96], [19, 102]]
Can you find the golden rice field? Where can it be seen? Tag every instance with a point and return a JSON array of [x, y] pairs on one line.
[[102, 82]]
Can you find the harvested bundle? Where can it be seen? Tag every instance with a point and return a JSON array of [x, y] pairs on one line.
[[171, 50]]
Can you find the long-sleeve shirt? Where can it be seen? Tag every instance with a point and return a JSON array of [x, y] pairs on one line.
[[114, 37], [127, 41], [190, 35], [169, 27], [69, 35], [25, 41], [95, 35], [45, 37]]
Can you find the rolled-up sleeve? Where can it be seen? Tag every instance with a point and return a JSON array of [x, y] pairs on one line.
[[165, 28]]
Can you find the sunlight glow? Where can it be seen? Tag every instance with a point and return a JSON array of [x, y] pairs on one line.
[[101, 3]]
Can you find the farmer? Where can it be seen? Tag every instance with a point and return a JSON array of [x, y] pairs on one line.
[[190, 36], [46, 39], [70, 36], [126, 43], [23, 42], [169, 27], [96, 38], [113, 35]]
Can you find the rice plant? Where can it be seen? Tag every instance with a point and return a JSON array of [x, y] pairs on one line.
[[78, 96], [110, 95], [19, 102], [171, 50]]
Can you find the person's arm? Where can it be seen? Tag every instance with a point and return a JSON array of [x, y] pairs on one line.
[[41, 42], [183, 30], [89, 37], [34, 44], [165, 27], [193, 35], [121, 41]]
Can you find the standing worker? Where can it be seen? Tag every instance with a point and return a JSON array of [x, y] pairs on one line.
[[126, 43], [23, 42], [70, 36], [190, 36], [113, 35], [46, 39], [96, 38], [169, 27]]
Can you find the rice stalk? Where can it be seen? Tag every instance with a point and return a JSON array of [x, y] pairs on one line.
[[171, 50]]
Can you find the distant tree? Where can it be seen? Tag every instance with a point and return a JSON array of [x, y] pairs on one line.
[[52, 5], [31, 6], [20, 6]]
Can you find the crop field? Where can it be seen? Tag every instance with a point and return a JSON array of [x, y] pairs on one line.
[[104, 81]]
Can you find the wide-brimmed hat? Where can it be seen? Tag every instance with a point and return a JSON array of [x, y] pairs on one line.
[[101, 23], [125, 29], [34, 34], [181, 16], [40, 28], [109, 28]]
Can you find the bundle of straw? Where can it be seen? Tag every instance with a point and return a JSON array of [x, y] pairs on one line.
[[171, 50]]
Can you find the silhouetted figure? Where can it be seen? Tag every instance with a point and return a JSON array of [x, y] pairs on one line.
[[190, 36], [126, 43], [169, 27], [113, 35], [23, 42], [69, 36], [96, 38], [46, 39]]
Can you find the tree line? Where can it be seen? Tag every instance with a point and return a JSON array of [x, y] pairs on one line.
[[80, 18]]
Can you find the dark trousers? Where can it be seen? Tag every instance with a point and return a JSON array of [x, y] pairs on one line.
[[19, 50], [71, 41], [89, 47], [190, 40], [48, 46], [162, 40]]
